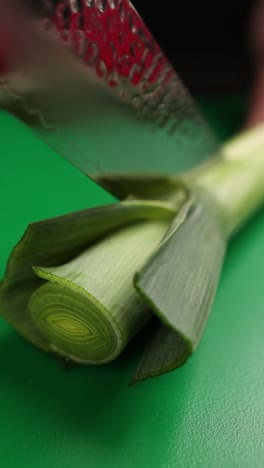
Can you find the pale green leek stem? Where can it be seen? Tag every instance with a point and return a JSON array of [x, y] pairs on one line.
[[236, 181]]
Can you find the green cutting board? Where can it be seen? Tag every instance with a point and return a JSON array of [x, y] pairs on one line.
[[210, 413]]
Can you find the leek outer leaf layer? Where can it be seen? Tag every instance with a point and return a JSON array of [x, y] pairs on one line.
[[187, 265]]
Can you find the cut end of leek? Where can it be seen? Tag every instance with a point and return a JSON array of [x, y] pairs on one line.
[[88, 309], [75, 324]]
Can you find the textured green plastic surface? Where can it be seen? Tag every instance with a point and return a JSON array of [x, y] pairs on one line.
[[210, 413]]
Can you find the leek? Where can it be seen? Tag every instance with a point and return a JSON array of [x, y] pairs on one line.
[[83, 285]]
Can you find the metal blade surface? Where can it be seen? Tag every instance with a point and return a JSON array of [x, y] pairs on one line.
[[88, 77]]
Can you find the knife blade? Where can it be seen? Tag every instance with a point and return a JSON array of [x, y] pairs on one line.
[[84, 74]]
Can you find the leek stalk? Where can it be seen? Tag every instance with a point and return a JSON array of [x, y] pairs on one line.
[[236, 181], [82, 286]]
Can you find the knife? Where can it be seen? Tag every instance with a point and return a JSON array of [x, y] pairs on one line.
[[84, 72]]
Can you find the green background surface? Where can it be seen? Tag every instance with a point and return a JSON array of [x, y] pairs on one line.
[[210, 413]]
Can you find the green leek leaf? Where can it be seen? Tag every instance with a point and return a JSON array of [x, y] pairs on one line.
[[179, 282]]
